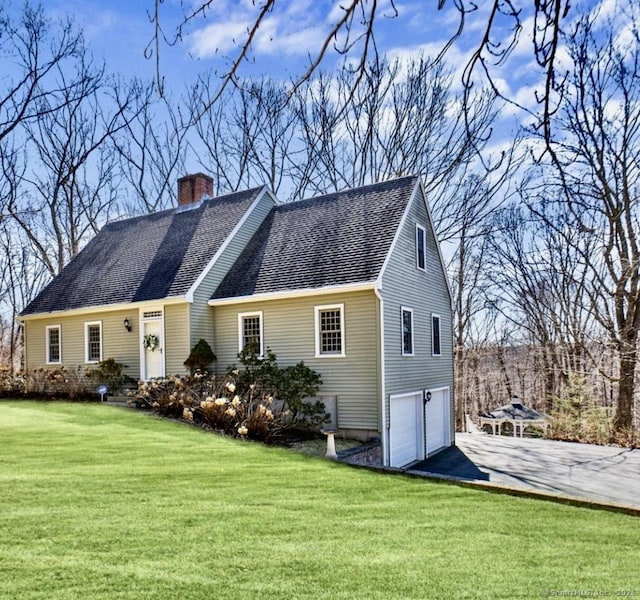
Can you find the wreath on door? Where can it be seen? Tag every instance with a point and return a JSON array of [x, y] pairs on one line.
[[151, 342]]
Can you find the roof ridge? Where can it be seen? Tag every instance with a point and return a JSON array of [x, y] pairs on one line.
[[175, 209], [354, 190]]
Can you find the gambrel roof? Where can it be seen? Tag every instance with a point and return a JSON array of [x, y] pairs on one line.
[[150, 257], [338, 239]]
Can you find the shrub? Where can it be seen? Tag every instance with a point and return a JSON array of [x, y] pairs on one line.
[[292, 386], [59, 381], [576, 416], [11, 384], [169, 396], [260, 402], [201, 357], [219, 403], [110, 373]]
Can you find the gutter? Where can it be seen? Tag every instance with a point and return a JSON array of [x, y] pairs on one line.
[[102, 308], [297, 293]]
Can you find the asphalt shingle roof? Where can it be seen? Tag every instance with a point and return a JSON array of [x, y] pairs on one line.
[[337, 239], [145, 258]]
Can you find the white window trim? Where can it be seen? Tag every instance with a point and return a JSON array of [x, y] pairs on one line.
[[86, 342], [436, 316], [317, 310], [424, 250], [241, 317], [48, 328], [404, 309]]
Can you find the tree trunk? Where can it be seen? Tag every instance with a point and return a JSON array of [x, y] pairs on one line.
[[624, 407], [461, 392]]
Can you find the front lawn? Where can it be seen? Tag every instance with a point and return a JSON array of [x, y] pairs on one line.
[[103, 502]]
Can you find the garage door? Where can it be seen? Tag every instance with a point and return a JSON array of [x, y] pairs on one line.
[[405, 442], [437, 421]]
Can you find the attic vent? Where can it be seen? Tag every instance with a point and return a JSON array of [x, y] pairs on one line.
[[152, 314]]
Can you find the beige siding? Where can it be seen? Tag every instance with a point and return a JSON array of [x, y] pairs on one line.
[[176, 338], [289, 331], [201, 313], [117, 342]]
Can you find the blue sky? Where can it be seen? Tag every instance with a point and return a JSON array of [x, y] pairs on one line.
[[120, 30]]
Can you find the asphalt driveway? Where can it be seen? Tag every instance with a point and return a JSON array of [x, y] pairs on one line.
[[597, 473]]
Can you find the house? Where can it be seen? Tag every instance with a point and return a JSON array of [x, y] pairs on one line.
[[352, 283]]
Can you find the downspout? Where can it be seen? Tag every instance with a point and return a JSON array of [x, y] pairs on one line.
[[385, 432]]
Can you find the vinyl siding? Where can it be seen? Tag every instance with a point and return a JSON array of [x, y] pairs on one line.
[[176, 338], [426, 293], [202, 323], [289, 331], [117, 342]]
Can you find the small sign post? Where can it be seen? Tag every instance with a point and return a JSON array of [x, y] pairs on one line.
[[103, 390]]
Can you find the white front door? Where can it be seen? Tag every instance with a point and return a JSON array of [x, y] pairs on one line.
[[153, 356]]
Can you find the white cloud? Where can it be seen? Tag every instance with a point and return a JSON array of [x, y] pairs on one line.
[[291, 31], [274, 37], [218, 37]]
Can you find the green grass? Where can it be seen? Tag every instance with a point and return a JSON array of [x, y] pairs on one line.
[[104, 502], [318, 447]]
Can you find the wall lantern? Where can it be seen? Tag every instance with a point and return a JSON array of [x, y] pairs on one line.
[[127, 325], [427, 396]]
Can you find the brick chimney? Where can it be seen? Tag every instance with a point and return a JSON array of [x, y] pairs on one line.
[[192, 188]]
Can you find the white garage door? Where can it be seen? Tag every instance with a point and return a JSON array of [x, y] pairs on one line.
[[405, 432], [437, 421]]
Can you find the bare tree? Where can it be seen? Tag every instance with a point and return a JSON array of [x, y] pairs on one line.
[[69, 188], [538, 284], [401, 118], [477, 198], [352, 32], [152, 147], [247, 137], [36, 54], [21, 275], [594, 150]]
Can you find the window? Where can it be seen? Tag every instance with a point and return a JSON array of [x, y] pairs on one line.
[[152, 314], [421, 236], [435, 335], [93, 341], [250, 332], [54, 345], [330, 330], [407, 331]]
